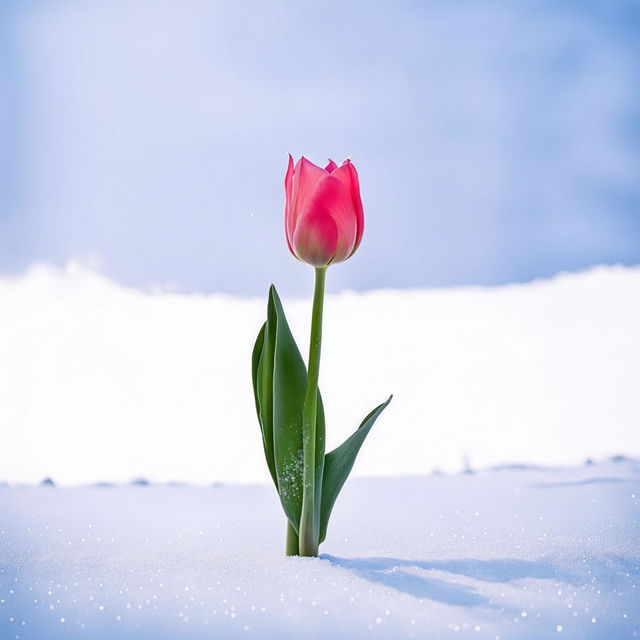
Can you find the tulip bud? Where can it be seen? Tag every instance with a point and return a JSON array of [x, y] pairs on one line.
[[324, 219]]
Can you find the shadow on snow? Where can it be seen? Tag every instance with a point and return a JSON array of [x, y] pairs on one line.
[[401, 575]]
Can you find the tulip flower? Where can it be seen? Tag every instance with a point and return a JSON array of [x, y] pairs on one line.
[[324, 222], [323, 212]]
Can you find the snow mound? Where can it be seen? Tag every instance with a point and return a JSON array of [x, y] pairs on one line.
[[99, 382]]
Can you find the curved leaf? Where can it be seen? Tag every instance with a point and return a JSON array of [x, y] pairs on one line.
[[279, 379], [262, 383], [255, 360], [338, 464]]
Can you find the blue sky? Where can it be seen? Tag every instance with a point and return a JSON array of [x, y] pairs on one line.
[[496, 141]]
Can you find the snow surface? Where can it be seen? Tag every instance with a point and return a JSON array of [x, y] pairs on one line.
[[509, 554], [102, 382]]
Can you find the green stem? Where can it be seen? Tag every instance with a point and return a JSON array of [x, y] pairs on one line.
[[309, 534], [291, 548]]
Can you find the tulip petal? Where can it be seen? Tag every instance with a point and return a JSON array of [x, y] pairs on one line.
[[306, 177], [288, 215], [315, 239], [348, 175], [331, 221], [332, 166]]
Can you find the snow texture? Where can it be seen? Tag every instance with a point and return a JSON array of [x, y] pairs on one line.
[[511, 553], [99, 382]]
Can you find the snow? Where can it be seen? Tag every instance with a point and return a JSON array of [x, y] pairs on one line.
[[99, 382], [520, 552], [154, 517]]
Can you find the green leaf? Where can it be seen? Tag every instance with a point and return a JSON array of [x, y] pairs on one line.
[[338, 464], [280, 383], [261, 370], [255, 361]]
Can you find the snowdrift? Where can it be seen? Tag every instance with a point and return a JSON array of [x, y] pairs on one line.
[[99, 382]]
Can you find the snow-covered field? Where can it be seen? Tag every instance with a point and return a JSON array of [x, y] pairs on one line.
[[102, 382], [503, 554]]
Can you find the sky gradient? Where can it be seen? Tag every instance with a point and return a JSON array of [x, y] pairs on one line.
[[496, 142]]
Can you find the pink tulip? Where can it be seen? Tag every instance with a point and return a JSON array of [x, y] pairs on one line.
[[323, 212]]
